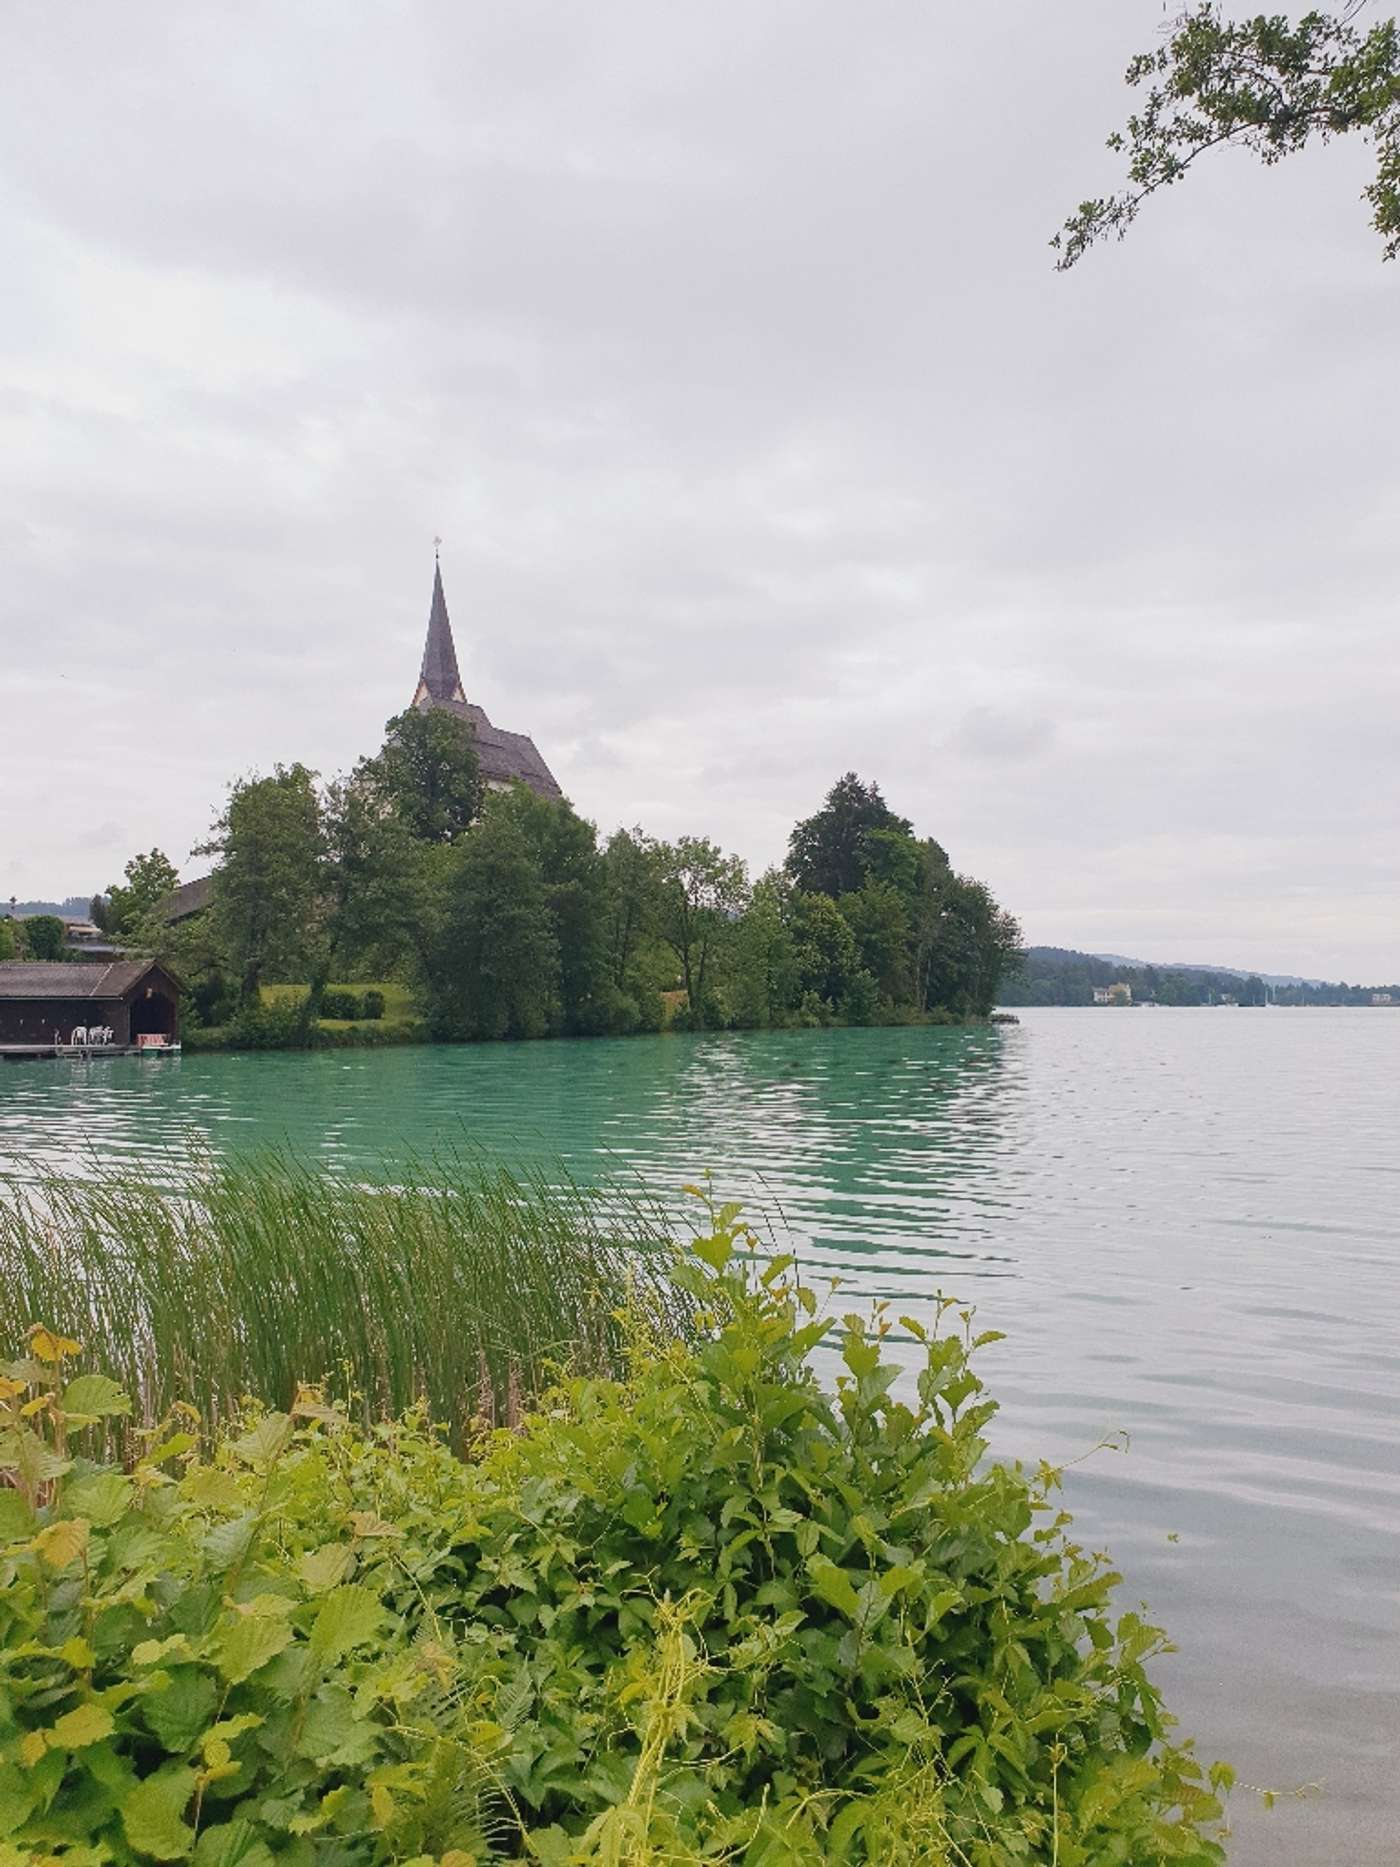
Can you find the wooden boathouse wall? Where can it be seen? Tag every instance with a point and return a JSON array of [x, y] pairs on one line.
[[132, 996]]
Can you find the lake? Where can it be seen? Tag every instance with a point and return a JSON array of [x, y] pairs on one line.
[[1186, 1221]]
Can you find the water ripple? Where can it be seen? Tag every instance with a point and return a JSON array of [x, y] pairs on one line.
[[1186, 1222]]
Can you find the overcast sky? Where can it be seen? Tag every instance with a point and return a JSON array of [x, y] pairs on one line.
[[723, 347]]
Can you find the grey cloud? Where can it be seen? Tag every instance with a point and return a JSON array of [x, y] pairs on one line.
[[723, 348]]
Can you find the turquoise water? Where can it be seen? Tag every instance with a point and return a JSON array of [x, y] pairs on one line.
[[1186, 1221]]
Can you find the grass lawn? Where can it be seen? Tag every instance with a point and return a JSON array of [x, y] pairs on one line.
[[398, 1005]]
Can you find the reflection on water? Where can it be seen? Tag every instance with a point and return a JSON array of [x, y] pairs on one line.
[[1185, 1221]]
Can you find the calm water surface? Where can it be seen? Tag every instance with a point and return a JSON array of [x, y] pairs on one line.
[[1186, 1221]]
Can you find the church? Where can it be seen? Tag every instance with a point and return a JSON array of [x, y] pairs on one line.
[[505, 757]]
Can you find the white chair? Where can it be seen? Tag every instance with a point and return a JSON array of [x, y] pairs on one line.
[[79, 1034]]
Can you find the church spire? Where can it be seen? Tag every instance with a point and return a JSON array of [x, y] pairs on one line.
[[438, 679]]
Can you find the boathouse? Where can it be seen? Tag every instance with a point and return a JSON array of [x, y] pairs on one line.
[[41, 1005]]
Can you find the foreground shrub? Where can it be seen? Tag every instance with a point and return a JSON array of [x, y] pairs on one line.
[[710, 1611]]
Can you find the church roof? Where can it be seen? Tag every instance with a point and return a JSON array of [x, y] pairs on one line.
[[439, 671], [505, 757]]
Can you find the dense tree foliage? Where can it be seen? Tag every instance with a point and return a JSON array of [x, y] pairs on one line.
[[427, 773], [125, 911], [44, 937], [518, 923], [493, 967], [1265, 84], [267, 888], [830, 853]]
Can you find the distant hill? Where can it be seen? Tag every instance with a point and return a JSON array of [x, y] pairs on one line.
[[75, 907], [1220, 972], [1054, 975]]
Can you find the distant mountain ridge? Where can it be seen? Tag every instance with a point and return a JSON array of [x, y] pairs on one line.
[[75, 907], [1185, 965], [1053, 975]]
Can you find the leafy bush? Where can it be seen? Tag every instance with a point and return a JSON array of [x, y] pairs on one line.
[[337, 1001], [860, 1003], [372, 1004], [707, 1612], [218, 1658], [279, 1026], [44, 937]]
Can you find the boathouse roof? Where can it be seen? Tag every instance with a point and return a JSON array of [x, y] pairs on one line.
[[52, 980]]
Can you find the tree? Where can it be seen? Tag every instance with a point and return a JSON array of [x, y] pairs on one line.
[[764, 985], [494, 967], [824, 949], [44, 937], [968, 943], [829, 853], [130, 905], [268, 903], [370, 889], [629, 871], [698, 893], [427, 772], [1263, 84], [7, 938], [565, 848], [878, 917]]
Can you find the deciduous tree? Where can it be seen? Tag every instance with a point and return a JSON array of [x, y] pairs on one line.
[[44, 936], [698, 894], [1265, 84], [565, 848], [494, 969], [130, 905], [269, 887], [428, 773]]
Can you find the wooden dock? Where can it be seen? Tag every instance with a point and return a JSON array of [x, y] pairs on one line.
[[35, 1053]]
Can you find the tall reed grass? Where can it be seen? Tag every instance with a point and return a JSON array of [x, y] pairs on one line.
[[460, 1285]]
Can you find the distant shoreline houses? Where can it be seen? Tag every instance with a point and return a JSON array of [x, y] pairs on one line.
[[1118, 994]]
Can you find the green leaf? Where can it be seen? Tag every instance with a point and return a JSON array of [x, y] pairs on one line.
[[16, 1518], [23, 1451], [101, 1497], [331, 1730], [181, 1710], [322, 1568], [268, 1439], [860, 1356], [349, 1617], [152, 1814], [834, 1586], [228, 1543], [171, 1448], [95, 1394], [232, 1844], [716, 1251], [250, 1642], [88, 1724], [152, 1652]]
